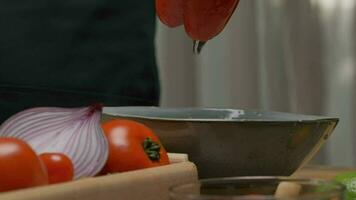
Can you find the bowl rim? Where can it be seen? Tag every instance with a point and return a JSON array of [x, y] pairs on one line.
[[108, 111]]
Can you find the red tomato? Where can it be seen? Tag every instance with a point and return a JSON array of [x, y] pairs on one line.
[[132, 146], [170, 12], [204, 19], [59, 167], [19, 166]]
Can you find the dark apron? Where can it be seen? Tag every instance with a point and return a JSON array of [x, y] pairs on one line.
[[76, 52]]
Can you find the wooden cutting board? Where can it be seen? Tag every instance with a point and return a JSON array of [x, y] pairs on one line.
[[321, 172], [147, 184]]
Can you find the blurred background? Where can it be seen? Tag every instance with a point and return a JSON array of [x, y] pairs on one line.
[[281, 55]]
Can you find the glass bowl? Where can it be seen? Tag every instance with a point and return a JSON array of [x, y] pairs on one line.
[[259, 188]]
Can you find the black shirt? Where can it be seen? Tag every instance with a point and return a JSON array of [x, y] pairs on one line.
[[75, 52]]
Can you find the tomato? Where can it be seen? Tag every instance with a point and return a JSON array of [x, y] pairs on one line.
[[132, 146], [170, 12], [19, 166], [59, 167], [204, 19]]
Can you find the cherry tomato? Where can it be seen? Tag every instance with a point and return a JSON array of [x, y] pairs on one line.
[[19, 166], [204, 19], [132, 146], [170, 12], [59, 167]]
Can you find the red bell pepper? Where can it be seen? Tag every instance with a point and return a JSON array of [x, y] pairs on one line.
[[170, 12], [203, 19]]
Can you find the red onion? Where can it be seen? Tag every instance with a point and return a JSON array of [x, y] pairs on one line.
[[74, 132]]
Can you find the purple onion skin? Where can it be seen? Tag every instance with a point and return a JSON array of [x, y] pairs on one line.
[[75, 132]]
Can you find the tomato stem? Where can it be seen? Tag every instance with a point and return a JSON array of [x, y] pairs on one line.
[[152, 149]]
